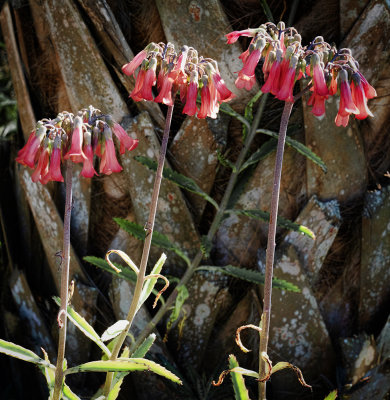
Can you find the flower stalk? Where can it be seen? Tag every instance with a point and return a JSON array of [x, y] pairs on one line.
[[270, 255], [146, 249], [62, 316]]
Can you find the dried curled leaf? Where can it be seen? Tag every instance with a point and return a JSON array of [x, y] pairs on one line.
[[265, 358], [124, 257], [238, 336], [283, 364], [238, 370], [156, 276]]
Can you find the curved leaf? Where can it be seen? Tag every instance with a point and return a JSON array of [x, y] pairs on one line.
[[124, 365], [114, 330], [84, 327], [266, 149], [283, 222], [299, 147], [225, 162], [16, 351], [177, 178], [250, 276], [145, 346], [240, 391], [158, 239]]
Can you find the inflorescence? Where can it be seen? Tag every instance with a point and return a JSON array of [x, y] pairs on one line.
[[286, 61], [76, 138], [185, 72]]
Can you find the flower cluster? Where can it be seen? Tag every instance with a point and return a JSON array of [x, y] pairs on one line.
[[286, 61], [76, 138], [183, 72]]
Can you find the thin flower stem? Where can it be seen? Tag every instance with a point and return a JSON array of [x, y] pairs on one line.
[[62, 316], [269, 263], [214, 225], [147, 244]]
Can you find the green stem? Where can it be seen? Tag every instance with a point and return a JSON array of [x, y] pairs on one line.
[[62, 319], [147, 244], [269, 263], [214, 225]]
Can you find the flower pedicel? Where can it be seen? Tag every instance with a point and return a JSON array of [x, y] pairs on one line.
[[286, 61]]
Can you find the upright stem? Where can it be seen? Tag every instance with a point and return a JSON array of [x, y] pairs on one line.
[[269, 263], [146, 249], [214, 225], [62, 318]]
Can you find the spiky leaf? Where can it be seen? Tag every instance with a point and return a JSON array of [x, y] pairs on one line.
[[177, 178], [145, 346], [240, 390], [84, 326], [124, 365], [158, 239], [282, 222], [225, 162], [16, 351], [250, 276], [299, 147], [266, 149]]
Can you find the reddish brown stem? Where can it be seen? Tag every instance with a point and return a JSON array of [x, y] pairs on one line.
[[269, 263]]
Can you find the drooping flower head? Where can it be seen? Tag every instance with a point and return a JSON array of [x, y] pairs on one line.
[[75, 138], [286, 60], [185, 72]]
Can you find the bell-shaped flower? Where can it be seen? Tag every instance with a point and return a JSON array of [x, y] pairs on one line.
[[127, 142], [190, 107], [55, 161], [135, 94], [369, 91], [165, 89], [224, 94], [206, 106], [130, 67], [272, 83], [347, 105], [109, 162], [149, 81], [88, 170], [76, 153], [232, 37], [359, 98], [26, 156], [287, 84], [43, 162], [246, 77], [318, 76], [318, 103]]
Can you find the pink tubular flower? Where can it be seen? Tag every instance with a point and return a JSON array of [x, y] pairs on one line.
[[246, 77], [232, 37], [109, 162], [287, 84], [135, 94], [165, 87], [318, 103], [347, 105], [318, 77], [192, 92], [55, 161], [149, 81], [130, 67], [369, 91], [42, 166], [76, 151], [127, 142], [360, 100], [224, 94], [273, 81], [26, 156], [88, 170], [206, 106]]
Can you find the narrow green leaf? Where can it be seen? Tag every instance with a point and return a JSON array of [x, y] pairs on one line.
[[126, 273], [67, 393], [150, 283], [250, 276], [244, 371], [118, 377], [267, 11], [225, 162], [299, 147], [227, 109], [84, 327], [181, 297], [16, 351], [145, 346], [331, 395], [283, 222], [240, 391], [125, 365], [177, 178], [158, 239], [266, 149], [205, 246], [114, 330]]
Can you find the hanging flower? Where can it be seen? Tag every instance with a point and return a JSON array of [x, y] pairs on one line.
[[74, 138], [184, 72], [285, 62]]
